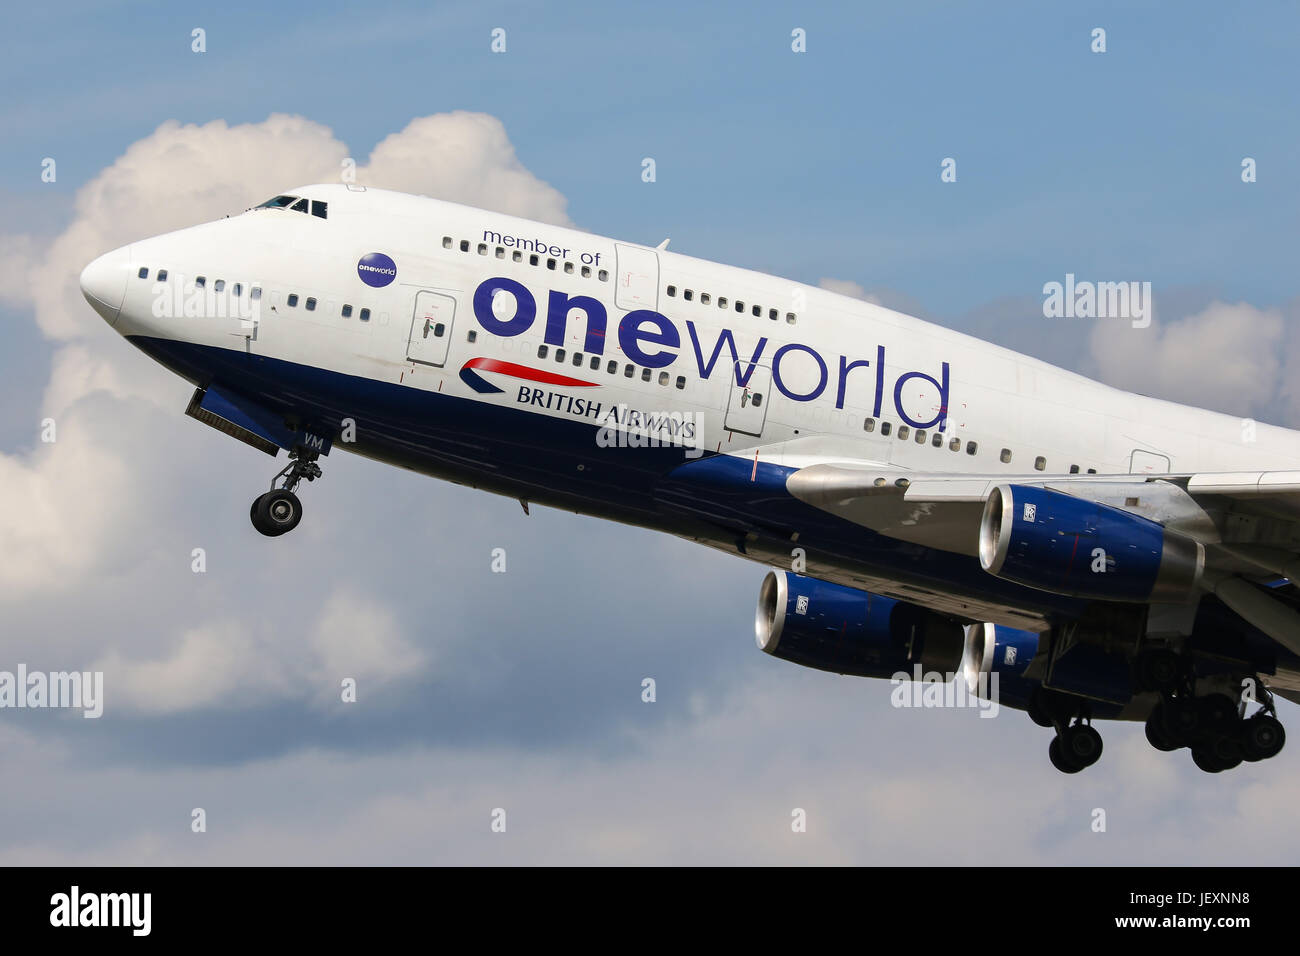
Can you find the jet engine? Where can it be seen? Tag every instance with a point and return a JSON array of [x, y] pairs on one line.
[[1056, 542], [834, 628]]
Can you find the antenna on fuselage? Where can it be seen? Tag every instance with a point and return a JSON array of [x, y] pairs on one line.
[[662, 246]]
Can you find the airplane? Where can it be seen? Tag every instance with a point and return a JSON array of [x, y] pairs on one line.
[[927, 503]]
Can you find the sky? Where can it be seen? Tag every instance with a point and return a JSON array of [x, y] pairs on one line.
[[522, 691]]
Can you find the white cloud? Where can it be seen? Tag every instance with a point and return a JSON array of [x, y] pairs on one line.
[[237, 664], [1225, 357]]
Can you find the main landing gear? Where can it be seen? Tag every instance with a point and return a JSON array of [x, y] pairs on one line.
[[279, 510], [1077, 744], [1212, 723]]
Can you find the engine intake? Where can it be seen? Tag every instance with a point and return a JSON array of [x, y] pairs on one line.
[[1056, 542], [846, 631]]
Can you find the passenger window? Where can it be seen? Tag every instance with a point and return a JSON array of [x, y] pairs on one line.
[[740, 307], [559, 355], [219, 285], [439, 330], [1005, 456], [971, 447], [903, 432], [885, 428], [516, 256], [722, 302], [756, 399], [144, 272], [628, 371], [365, 316], [464, 245], [645, 375], [311, 304], [705, 299], [568, 268], [482, 248], [238, 289], [577, 360], [347, 311], [162, 275], [586, 272], [937, 440], [200, 282], [533, 259], [688, 295], [602, 275], [869, 425], [772, 314], [446, 242], [612, 367], [672, 291], [1074, 469], [501, 252], [550, 264], [255, 293], [681, 381], [790, 317], [292, 301], [954, 445], [542, 351], [472, 336], [1092, 471], [595, 363], [758, 311], [1040, 463], [663, 378], [920, 436]]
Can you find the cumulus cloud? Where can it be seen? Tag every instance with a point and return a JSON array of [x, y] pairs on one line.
[[1227, 357], [247, 664]]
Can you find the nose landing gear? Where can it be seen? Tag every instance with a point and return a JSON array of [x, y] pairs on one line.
[[279, 510]]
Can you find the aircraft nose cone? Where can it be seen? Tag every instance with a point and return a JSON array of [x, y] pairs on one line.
[[103, 283]]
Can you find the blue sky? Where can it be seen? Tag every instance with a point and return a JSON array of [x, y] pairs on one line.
[[524, 689], [826, 163]]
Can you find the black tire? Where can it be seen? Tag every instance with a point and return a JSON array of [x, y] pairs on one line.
[[1261, 737], [1157, 736], [277, 512], [1059, 760], [1181, 719], [1081, 744], [1217, 713], [1205, 760], [1225, 749]]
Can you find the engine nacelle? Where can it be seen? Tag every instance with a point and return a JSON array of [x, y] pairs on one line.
[[847, 631], [1056, 542], [992, 649]]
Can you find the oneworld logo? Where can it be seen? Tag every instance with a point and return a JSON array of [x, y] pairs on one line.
[[376, 270]]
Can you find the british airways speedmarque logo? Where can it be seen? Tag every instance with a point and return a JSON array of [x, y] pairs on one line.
[[469, 374], [376, 269]]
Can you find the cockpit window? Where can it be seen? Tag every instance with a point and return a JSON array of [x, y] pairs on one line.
[[279, 202], [299, 206], [319, 208]]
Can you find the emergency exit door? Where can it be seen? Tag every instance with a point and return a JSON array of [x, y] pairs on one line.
[[431, 328], [748, 401]]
